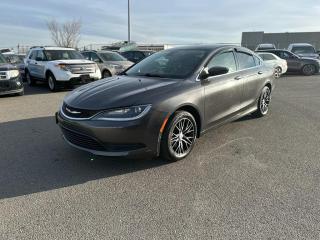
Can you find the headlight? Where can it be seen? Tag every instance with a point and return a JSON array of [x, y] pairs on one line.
[[12, 74], [62, 67], [123, 114]]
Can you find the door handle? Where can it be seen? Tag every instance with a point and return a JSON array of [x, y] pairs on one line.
[[238, 78], [260, 72]]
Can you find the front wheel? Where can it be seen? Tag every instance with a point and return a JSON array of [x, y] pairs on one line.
[[179, 136], [52, 83], [264, 102], [309, 70]]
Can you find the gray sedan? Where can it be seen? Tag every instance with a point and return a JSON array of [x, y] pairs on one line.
[[110, 63], [161, 105]]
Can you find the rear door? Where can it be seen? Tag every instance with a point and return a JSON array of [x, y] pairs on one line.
[[222, 93], [252, 75]]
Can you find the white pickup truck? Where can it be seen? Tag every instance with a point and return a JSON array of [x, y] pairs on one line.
[[59, 67]]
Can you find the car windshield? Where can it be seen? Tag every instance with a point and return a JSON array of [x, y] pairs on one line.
[[173, 63], [303, 49], [111, 56], [13, 58], [2, 59], [62, 55]]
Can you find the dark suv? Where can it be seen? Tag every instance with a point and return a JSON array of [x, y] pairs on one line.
[[306, 66], [136, 55], [10, 80]]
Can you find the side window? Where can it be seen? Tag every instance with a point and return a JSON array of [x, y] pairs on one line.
[[285, 55], [33, 55], [224, 60], [257, 61], [95, 57], [40, 55], [246, 60], [86, 55]]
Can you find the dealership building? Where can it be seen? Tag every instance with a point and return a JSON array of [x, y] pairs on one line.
[[281, 40]]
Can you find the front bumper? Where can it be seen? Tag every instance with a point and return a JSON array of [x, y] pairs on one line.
[[137, 138], [66, 76], [11, 86]]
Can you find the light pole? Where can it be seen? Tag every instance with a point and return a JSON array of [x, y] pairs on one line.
[[129, 21]]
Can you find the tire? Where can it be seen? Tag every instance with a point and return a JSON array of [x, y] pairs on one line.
[[30, 80], [308, 70], [277, 72], [263, 103], [177, 144], [106, 74], [21, 93], [52, 83]]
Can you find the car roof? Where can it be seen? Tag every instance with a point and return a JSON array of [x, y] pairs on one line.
[[51, 48], [300, 44]]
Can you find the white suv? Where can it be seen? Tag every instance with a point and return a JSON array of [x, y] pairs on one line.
[[59, 67]]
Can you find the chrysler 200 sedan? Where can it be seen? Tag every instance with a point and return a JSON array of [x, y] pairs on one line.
[[160, 106]]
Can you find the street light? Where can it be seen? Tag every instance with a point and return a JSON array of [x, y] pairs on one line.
[[129, 21]]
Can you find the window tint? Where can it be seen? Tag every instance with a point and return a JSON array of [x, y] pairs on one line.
[[224, 60], [86, 55], [40, 55], [95, 57], [267, 57], [246, 60]]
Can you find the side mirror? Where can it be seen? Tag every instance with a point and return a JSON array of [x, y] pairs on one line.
[[214, 71]]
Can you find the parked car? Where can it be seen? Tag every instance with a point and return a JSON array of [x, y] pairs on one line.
[[10, 80], [162, 104], [303, 50], [296, 64], [265, 46], [280, 65], [18, 60], [59, 67], [110, 63], [136, 55]]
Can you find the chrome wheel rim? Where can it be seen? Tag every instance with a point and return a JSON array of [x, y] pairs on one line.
[[50, 83], [182, 137], [265, 101]]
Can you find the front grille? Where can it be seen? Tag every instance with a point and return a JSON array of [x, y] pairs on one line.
[[81, 68], [4, 85], [77, 113], [82, 140], [3, 76]]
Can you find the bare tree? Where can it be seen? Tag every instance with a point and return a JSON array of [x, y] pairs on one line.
[[66, 34]]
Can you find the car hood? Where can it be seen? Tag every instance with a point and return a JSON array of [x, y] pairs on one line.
[[72, 61], [119, 91], [6, 67], [121, 63]]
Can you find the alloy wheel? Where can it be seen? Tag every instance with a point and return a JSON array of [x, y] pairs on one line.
[[265, 101], [182, 137], [309, 70], [51, 83]]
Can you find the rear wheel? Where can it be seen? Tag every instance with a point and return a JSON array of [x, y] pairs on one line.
[[30, 80], [309, 70], [179, 136], [264, 102], [52, 83], [106, 74]]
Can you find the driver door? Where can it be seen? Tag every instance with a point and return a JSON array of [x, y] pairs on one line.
[[222, 93]]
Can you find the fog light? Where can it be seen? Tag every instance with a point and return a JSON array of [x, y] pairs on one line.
[[19, 83]]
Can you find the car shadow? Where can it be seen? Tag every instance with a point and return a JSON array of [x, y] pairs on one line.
[[40, 88], [34, 158]]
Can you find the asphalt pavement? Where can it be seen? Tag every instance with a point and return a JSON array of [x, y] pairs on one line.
[[249, 179]]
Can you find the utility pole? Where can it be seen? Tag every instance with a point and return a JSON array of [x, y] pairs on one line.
[[129, 22]]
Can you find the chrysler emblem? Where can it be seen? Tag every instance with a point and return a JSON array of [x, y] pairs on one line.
[[72, 112]]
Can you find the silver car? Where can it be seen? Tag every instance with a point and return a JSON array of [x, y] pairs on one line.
[[110, 63]]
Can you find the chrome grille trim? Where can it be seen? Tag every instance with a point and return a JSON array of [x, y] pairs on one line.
[[81, 68]]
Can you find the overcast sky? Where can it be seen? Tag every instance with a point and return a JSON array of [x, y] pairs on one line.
[[156, 21]]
